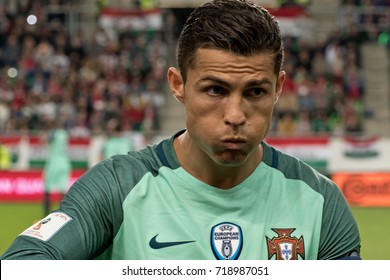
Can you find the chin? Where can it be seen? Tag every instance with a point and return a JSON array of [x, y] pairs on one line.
[[231, 161]]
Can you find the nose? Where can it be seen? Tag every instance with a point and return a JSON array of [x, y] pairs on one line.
[[235, 111]]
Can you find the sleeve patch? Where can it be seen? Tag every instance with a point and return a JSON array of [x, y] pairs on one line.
[[47, 227]]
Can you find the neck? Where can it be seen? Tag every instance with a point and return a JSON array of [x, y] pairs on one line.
[[201, 166]]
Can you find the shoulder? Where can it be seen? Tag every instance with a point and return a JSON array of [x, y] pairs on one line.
[[125, 168], [104, 187], [295, 169]]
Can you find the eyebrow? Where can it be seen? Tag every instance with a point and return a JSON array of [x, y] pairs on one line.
[[212, 78], [259, 82], [250, 83]]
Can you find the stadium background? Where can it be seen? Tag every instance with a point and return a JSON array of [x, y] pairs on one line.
[[84, 63]]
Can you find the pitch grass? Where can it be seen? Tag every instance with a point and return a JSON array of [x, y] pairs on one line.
[[374, 225]]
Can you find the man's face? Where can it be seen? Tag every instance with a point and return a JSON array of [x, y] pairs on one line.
[[229, 101]]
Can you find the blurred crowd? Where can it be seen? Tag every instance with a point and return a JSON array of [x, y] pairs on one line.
[[51, 76], [324, 91], [369, 18]]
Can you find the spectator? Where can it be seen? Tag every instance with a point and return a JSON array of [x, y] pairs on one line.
[[155, 101], [353, 124], [75, 51], [353, 84], [305, 91], [303, 126], [334, 58], [286, 125], [319, 67], [11, 51], [80, 128], [320, 123], [43, 56]]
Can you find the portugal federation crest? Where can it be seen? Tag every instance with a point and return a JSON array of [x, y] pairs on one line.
[[226, 241], [284, 246]]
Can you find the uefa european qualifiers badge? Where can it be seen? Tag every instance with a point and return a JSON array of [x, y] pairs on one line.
[[226, 241]]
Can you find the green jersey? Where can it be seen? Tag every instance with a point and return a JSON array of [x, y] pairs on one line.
[[58, 166], [144, 205]]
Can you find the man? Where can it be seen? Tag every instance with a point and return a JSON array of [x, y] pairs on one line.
[[5, 157], [214, 190], [58, 167]]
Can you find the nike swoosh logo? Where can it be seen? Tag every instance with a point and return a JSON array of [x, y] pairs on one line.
[[154, 244]]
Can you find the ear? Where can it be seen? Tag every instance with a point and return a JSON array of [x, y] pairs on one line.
[[279, 85], [176, 84]]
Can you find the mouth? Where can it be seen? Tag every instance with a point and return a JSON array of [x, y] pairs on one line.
[[234, 143]]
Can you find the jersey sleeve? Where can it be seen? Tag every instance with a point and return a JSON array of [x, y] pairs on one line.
[[339, 235], [94, 208]]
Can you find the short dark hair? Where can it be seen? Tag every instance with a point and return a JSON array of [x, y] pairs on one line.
[[237, 26]]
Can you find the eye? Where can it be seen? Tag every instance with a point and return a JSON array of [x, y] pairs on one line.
[[215, 90], [256, 92]]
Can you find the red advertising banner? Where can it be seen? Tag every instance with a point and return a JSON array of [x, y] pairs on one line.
[[26, 185], [365, 189]]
